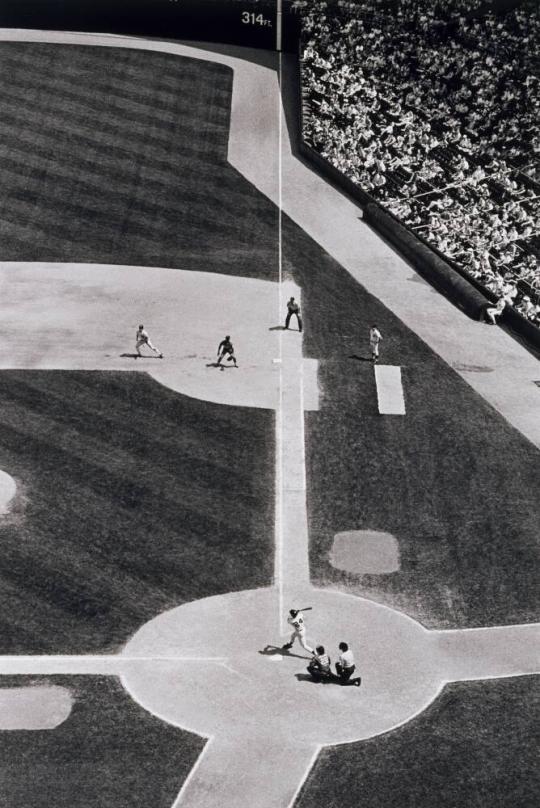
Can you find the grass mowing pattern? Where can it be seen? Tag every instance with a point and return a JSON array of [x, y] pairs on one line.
[[132, 499], [452, 480], [455, 484], [474, 747], [121, 158], [111, 155], [109, 753]]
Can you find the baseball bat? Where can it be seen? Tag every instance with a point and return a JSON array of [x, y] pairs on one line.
[[306, 609]]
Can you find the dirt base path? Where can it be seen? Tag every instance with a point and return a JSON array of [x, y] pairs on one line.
[[216, 666], [187, 314], [259, 147]]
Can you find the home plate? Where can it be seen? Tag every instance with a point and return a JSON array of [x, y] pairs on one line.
[[389, 390], [276, 658]]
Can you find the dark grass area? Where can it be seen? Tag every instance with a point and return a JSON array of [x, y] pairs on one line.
[[475, 747], [146, 137], [452, 480], [132, 499], [110, 155], [109, 753]]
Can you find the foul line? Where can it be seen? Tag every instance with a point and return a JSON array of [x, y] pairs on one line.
[[192, 772], [309, 767], [278, 572], [278, 568]]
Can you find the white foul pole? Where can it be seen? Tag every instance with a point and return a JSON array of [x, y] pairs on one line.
[[279, 22]]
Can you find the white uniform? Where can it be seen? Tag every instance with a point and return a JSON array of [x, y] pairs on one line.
[[299, 632], [143, 339], [346, 659], [375, 337], [345, 668], [495, 311]]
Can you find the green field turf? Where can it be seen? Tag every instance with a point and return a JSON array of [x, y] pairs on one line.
[[131, 500], [474, 747], [109, 753]]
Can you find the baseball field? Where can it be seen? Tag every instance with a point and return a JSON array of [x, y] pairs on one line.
[[167, 514]]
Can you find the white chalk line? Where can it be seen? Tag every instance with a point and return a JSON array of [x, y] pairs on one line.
[[309, 767], [279, 561], [489, 676], [70, 663], [279, 414], [278, 573], [193, 771]]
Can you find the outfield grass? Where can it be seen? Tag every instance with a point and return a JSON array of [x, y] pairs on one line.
[[111, 155], [473, 748], [143, 145], [132, 499], [452, 480], [109, 753]]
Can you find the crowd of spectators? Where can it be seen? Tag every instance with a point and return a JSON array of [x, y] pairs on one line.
[[433, 106]]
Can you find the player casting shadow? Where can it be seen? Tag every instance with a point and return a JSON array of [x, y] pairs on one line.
[[305, 677], [137, 356], [277, 328], [274, 650], [360, 358], [331, 679], [216, 365]]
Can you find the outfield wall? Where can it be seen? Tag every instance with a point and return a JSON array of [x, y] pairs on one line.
[[251, 23], [465, 292]]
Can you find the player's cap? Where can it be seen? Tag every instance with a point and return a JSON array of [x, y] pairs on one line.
[[141, 326], [320, 649], [293, 612], [343, 646], [228, 336]]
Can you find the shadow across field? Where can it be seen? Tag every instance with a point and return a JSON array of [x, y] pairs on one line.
[[279, 650]]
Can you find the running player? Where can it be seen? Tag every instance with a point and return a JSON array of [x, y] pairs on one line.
[[141, 339], [296, 620], [375, 337], [225, 347]]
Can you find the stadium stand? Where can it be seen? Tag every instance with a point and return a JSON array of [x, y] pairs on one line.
[[432, 109]]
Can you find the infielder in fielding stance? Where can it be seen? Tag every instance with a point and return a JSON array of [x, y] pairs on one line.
[[296, 620], [141, 339], [293, 308], [225, 348], [375, 337]]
